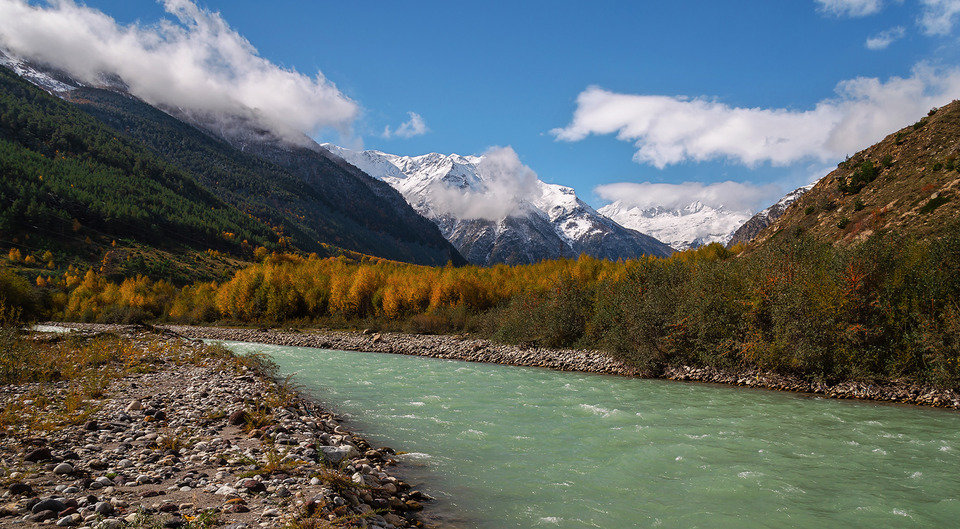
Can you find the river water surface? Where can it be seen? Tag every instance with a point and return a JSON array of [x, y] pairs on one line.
[[505, 447]]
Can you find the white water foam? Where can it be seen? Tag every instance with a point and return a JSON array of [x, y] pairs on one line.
[[599, 410]]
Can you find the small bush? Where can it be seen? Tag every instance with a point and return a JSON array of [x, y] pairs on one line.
[[843, 222], [17, 296], [809, 210], [934, 203]]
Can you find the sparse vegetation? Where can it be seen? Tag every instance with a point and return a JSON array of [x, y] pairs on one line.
[[934, 203], [865, 173]]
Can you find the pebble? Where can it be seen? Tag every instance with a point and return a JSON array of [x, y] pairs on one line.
[[189, 457]]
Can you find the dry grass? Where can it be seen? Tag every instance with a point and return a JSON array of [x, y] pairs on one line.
[[66, 376], [274, 462], [313, 518]]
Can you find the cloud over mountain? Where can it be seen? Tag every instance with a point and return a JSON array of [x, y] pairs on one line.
[[195, 62], [506, 183], [415, 126], [729, 194], [672, 129]]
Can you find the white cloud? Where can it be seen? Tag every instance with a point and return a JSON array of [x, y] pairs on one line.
[[415, 126], [883, 39], [506, 183], [196, 63], [850, 8], [668, 130], [937, 17], [735, 196]]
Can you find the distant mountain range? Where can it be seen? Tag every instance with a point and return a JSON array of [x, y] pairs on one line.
[[691, 226], [428, 209], [526, 222]]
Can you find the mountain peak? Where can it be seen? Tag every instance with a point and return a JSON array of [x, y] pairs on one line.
[[504, 213], [688, 226]]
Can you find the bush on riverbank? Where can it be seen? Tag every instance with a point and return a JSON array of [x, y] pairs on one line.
[[887, 308]]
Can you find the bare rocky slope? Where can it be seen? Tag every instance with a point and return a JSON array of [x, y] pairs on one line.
[[758, 222]]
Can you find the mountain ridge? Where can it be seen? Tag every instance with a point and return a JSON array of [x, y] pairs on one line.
[[693, 225], [764, 218], [306, 195], [545, 221]]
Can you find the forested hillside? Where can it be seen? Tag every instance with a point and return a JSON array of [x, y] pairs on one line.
[[74, 187], [303, 195]]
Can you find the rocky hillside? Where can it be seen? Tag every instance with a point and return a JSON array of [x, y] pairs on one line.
[[758, 222], [908, 183], [493, 217]]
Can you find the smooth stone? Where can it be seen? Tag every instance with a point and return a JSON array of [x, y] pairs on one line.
[[68, 521], [20, 489], [63, 469], [48, 504], [40, 454]]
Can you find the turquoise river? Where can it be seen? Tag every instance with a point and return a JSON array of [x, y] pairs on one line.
[[503, 447]]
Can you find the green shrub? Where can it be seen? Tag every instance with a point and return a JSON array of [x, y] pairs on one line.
[[934, 203], [19, 300]]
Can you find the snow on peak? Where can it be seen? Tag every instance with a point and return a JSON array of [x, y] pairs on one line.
[[690, 226], [483, 203], [36, 76]]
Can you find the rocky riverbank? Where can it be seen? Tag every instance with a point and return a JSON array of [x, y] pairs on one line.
[[190, 436], [478, 350]]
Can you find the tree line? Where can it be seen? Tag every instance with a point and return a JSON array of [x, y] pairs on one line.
[[885, 309]]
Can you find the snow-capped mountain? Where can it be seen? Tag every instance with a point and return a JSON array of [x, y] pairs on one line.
[[761, 220], [492, 217], [694, 225]]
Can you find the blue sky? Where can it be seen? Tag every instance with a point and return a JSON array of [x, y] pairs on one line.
[[510, 73]]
